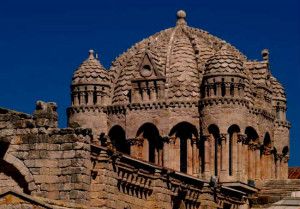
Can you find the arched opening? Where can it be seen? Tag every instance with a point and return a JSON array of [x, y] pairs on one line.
[[251, 135], [11, 176], [185, 132], [215, 132], [267, 140], [285, 150], [232, 131], [153, 141], [118, 139]]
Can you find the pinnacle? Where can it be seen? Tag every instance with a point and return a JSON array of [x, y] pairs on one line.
[[181, 15]]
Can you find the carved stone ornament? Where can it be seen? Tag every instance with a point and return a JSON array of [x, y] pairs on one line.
[[134, 141], [285, 159], [223, 136], [253, 146], [172, 140], [241, 138]]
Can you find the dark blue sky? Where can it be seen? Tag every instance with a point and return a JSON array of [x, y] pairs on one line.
[[41, 44]]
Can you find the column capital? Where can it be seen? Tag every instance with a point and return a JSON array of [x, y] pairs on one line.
[[206, 137], [241, 138], [253, 146], [223, 136], [135, 141]]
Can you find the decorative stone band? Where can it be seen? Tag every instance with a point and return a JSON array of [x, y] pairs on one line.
[[280, 123], [223, 100], [241, 138], [264, 113]]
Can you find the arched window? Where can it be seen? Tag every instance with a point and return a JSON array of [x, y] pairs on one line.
[[267, 140], [184, 131], [251, 134], [285, 150], [118, 139], [149, 132], [214, 130], [234, 129]]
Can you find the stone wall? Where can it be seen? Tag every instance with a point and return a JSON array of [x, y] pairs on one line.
[[120, 181], [53, 163]]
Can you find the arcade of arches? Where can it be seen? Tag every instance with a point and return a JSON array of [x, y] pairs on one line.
[[237, 155]]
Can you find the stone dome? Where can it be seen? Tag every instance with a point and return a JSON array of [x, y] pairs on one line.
[[224, 62], [179, 55], [278, 90], [90, 72]]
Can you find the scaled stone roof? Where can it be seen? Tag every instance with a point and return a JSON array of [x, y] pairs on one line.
[[91, 72], [278, 90], [225, 62], [180, 54]]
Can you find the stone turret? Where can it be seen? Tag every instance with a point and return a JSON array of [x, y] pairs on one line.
[[224, 75], [89, 95]]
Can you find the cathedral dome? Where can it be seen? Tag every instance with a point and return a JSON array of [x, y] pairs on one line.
[[90, 72], [177, 54], [224, 62]]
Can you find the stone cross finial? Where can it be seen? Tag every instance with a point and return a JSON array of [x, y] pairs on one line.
[[181, 17], [91, 52]]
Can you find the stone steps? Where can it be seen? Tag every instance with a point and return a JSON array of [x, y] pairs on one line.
[[275, 190]]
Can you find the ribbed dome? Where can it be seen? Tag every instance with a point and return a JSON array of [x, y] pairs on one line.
[[278, 90], [224, 62], [179, 54], [91, 72]]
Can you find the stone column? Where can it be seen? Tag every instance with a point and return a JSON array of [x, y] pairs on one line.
[[136, 147], [195, 156], [189, 156], [219, 89], [224, 157], [207, 156], [257, 163], [98, 95], [277, 167], [227, 88], [90, 98], [145, 95], [284, 168], [240, 155], [171, 152], [82, 97], [76, 100]]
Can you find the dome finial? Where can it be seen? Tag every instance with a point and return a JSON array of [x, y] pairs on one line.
[[181, 17], [91, 52]]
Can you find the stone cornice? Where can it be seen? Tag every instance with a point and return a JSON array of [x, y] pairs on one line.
[[282, 123], [116, 109], [223, 100]]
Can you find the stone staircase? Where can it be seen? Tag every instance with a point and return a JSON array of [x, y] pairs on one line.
[[273, 191]]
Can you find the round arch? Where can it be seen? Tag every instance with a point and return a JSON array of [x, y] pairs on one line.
[[153, 142], [184, 131], [117, 137], [26, 178]]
